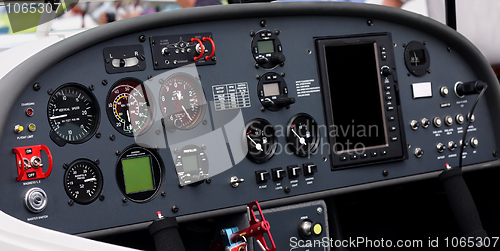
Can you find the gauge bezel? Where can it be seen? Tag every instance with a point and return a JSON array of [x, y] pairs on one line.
[[53, 134], [149, 104], [158, 171], [417, 70], [290, 138], [271, 151], [202, 106], [100, 181]]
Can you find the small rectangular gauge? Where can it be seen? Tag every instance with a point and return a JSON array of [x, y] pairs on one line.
[[190, 163], [271, 89], [138, 174], [128, 58], [266, 46]]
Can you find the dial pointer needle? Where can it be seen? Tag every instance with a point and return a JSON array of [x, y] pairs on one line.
[[258, 146]]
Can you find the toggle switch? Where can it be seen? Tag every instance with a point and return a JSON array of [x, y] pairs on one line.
[[278, 173]]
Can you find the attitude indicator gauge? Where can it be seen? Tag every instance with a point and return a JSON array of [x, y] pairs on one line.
[[302, 134], [261, 140], [83, 181], [128, 107], [73, 114], [182, 102]]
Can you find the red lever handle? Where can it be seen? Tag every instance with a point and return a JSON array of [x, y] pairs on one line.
[[213, 47], [202, 48], [256, 229]]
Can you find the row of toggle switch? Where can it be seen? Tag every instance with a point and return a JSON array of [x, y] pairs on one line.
[[440, 147], [279, 173], [438, 122]]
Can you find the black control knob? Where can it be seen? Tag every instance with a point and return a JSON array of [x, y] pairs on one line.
[[469, 88], [278, 59], [165, 51], [386, 71], [285, 101]]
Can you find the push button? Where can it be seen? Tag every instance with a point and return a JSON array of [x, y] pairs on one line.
[[278, 173], [294, 171], [309, 169], [262, 176]]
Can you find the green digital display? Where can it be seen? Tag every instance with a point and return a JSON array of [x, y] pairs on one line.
[[266, 46], [137, 174], [190, 163]]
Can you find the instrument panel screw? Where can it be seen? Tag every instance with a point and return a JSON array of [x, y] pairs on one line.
[[319, 210], [71, 202], [495, 153], [175, 208], [222, 232], [409, 74], [153, 42], [208, 181], [449, 49], [104, 82], [428, 70], [263, 23], [404, 45], [424, 43], [262, 109], [107, 61], [214, 58], [143, 58], [204, 122], [369, 22], [256, 66], [282, 64], [257, 76], [117, 153], [163, 194], [385, 173], [156, 63], [203, 147], [277, 32], [36, 86], [287, 189], [112, 137], [157, 131], [176, 150], [101, 198], [98, 135], [142, 38], [252, 33], [91, 87], [50, 91], [124, 200], [97, 161], [282, 74]]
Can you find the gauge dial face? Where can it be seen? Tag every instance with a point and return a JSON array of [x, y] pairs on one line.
[[128, 108], [303, 134], [261, 140], [182, 102], [83, 181], [73, 113]]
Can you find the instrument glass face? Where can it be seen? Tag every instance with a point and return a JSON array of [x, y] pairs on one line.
[[73, 113], [83, 181], [181, 101], [128, 107]]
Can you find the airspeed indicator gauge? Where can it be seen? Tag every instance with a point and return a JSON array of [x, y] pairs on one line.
[[128, 107]]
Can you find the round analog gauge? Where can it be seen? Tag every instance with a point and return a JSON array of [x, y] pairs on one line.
[[261, 140], [83, 181], [128, 107], [303, 134], [73, 114], [182, 102]]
